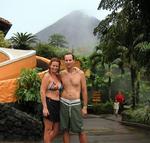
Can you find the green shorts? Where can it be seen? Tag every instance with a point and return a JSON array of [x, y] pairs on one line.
[[70, 115]]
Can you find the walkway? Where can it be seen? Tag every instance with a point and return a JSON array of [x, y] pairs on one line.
[[107, 129]]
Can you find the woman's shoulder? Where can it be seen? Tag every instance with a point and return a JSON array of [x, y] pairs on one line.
[[47, 76]]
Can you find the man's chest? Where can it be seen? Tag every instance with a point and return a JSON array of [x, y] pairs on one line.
[[71, 79]]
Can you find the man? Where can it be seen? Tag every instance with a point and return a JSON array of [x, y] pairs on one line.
[[121, 99], [74, 83]]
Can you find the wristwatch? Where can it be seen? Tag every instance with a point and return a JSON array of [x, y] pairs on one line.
[[85, 106]]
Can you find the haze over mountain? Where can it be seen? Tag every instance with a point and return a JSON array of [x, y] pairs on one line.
[[77, 27]]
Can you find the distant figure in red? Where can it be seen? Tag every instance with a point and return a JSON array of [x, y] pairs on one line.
[[121, 99]]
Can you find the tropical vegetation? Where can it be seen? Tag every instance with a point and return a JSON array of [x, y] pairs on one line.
[[28, 86], [120, 61], [49, 51], [58, 40], [3, 42], [28, 93], [124, 40], [23, 40]]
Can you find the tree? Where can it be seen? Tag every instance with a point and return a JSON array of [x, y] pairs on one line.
[[49, 51], [58, 40], [129, 24], [45, 50], [135, 9], [106, 55], [23, 40], [3, 42]]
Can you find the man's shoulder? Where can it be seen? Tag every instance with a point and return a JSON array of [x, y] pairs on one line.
[[63, 72], [78, 70]]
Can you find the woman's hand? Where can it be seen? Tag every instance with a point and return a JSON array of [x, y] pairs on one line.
[[45, 112]]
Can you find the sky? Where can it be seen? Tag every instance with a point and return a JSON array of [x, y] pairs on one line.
[[34, 15]]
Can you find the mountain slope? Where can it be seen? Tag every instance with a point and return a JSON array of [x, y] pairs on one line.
[[77, 27]]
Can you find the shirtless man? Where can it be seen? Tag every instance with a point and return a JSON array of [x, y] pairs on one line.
[[71, 113]]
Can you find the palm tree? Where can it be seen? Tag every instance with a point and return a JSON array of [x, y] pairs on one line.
[[105, 56], [23, 40]]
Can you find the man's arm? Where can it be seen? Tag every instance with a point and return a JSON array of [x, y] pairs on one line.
[[84, 93]]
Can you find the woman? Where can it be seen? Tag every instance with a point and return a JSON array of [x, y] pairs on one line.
[[50, 91]]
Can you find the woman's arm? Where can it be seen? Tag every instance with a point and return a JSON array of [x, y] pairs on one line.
[[43, 89]]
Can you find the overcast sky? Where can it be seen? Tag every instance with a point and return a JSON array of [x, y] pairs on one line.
[[34, 15]]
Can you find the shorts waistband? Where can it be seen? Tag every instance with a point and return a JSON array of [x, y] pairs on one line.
[[70, 102], [49, 99]]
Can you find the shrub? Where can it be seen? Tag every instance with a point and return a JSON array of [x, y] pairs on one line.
[[139, 115], [28, 86], [28, 93], [103, 108]]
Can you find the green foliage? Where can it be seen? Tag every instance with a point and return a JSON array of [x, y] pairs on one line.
[[111, 4], [23, 40], [28, 86], [145, 90], [60, 52], [143, 52], [103, 108], [58, 40], [121, 34], [49, 51], [84, 50], [85, 62], [139, 115], [3, 42], [45, 50]]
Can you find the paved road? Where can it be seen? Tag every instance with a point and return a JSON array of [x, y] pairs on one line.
[[100, 130], [107, 129]]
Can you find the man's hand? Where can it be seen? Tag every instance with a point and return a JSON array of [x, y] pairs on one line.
[[84, 111]]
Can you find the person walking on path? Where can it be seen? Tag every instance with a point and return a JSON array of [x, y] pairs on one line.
[[121, 99], [50, 87], [71, 112], [116, 108]]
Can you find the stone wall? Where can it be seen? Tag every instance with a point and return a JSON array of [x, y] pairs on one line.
[[18, 125]]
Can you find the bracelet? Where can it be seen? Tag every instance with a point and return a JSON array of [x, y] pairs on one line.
[[85, 106]]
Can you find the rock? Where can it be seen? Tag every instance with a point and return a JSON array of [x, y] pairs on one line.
[[18, 125]]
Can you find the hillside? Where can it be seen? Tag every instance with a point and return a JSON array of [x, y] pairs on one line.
[[77, 27]]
